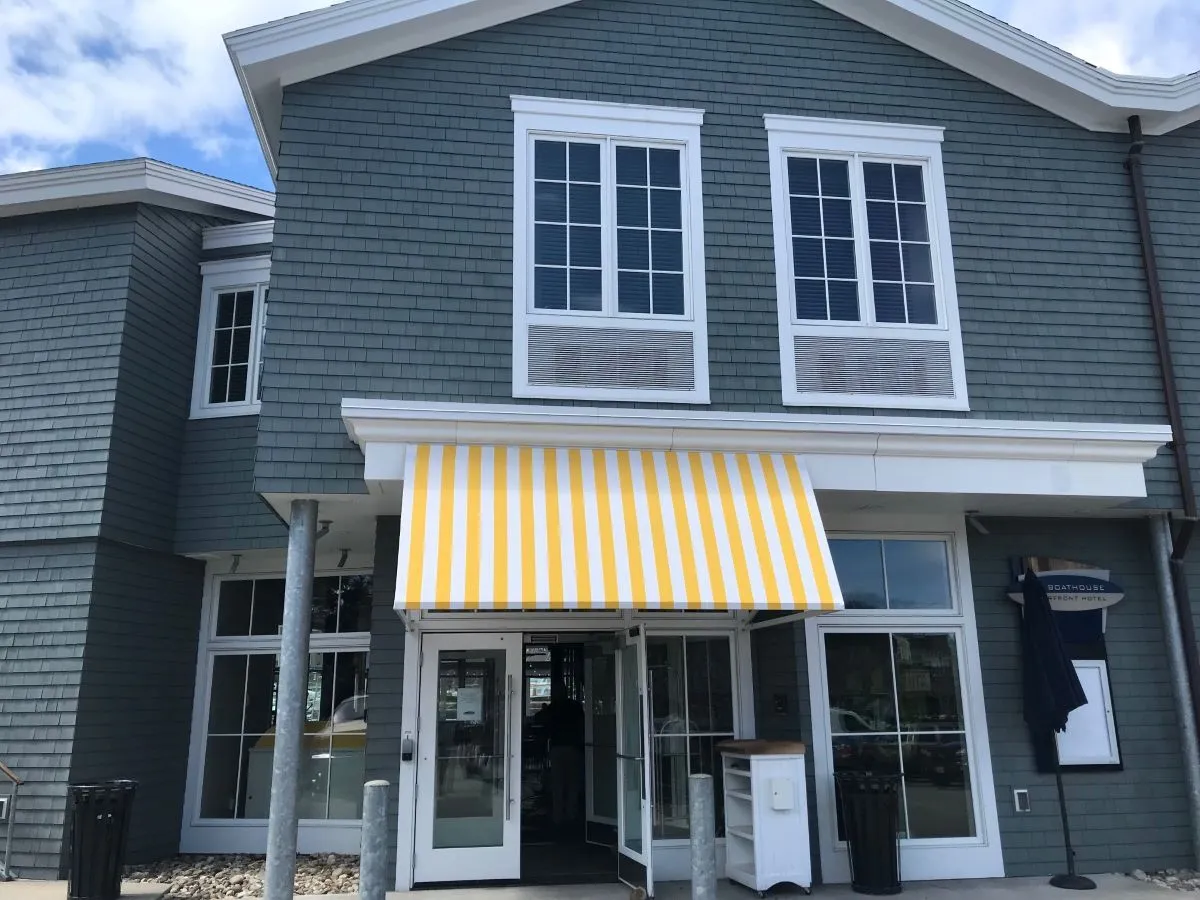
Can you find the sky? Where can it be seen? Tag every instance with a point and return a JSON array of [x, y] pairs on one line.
[[91, 80]]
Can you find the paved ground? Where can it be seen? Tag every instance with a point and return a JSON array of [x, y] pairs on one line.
[[57, 890]]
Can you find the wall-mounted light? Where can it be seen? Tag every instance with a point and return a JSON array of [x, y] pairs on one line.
[[345, 556], [237, 561]]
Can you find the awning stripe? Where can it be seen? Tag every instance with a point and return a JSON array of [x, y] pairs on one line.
[[525, 528]]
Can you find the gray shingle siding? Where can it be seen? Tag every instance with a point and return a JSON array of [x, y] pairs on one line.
[[392, 261]]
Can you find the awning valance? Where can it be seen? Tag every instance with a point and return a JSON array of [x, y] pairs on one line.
[[543, 528]]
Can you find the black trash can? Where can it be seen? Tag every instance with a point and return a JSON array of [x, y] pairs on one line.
[[870, 806], [99, 832]]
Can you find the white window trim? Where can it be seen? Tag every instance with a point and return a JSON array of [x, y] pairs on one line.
[[201, 835], [883, 142], [222, 276], [655, 125]]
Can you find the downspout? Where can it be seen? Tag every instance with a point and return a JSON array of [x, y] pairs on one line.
[[1186, 679]]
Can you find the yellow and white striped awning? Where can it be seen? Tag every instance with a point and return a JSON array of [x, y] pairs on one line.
[[525, 528]]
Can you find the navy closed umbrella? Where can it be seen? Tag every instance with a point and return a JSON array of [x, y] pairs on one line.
[[1052, 691]]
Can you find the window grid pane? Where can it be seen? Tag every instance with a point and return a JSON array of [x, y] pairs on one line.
[[901, 249], [823, 245], [567, 226], [229, 371], [649, 230]]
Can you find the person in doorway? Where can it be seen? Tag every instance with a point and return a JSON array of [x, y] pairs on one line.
[[564, 732]]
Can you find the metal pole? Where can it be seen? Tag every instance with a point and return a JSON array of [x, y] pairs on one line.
[[289, 719], [372, 861], [702, 815], [1160, 532]]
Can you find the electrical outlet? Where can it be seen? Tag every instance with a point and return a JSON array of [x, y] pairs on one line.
[[1021, 800]]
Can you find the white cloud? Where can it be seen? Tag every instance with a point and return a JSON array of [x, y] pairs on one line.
[[128, 72]]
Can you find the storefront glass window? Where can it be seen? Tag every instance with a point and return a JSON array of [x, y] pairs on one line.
[[892, 574], [691, 703]]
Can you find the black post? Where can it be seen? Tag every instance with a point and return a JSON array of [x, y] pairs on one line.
[[1071, 881]]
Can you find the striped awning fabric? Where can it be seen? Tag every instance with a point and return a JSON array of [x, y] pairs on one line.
[[542, 528]]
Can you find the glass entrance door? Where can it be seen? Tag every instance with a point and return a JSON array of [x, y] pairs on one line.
[[468, 824], [600, 742], [634, 838]]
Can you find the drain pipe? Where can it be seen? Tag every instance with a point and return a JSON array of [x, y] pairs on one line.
[[1171, 546]]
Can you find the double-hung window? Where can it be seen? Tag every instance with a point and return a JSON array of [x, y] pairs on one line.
[[233, 316], [868, 310], [609, 299]]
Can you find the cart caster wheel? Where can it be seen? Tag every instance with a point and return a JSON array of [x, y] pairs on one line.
[[807, 891]]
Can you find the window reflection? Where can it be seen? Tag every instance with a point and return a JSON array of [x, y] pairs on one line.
[[341, 604], [892, 574]]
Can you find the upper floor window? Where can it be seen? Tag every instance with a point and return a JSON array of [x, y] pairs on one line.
[[233, 315], [609, 299], [867, 303]]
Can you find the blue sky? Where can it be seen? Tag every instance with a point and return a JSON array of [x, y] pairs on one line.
[[91, 80]]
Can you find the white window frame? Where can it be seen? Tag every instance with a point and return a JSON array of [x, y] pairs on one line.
[[858, 142], [208, 835], [588, 121], [225, 276]]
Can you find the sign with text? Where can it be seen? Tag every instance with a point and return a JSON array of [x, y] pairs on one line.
[[1072, 586]]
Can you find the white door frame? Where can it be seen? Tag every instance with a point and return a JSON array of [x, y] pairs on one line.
[[978, 857], [472, 863]]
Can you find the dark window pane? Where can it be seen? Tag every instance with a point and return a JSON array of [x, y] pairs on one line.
[[325, 605], [922, 308], [927, 682], [244, 313], [704, 759], [835, 178], [585, 246], [356, 599], [631, 165], [585, 289], [550, 288], [268, 606], [240, 352], [664, 168], [843, 301], [918, 574], [585, 162], [233, 608], [666, 209], [219, 389], [222, 761], [802, 176], [631, 207], [550, 201], [878, 179], [910, 183], [550, 245], [227, 695], [918, 264], [914, 226], [709, 685], [550, 160], [633, 248], [806, 216], [222, 345], [881, 221], [877, 755], [668, 294], [810, 257], [667, 247], [633, 292], [225, 310], [839, 258], [237, 383], [885, 261], [810, 299], [937, 786], [859, 672], [261, 681], [889, 302], [859, 568], [585, 204], [838, 221]]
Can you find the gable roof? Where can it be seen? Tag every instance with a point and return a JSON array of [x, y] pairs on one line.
[[130, 181], [269, 57]]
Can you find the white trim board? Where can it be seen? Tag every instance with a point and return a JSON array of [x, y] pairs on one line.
[[130, 181], [248, 234], [269, 57], [844, 453]]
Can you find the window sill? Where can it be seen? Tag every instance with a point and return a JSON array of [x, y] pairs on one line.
[[876, 401], [227, 412]]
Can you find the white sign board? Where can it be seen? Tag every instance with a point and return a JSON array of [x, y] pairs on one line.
[[470, 703]]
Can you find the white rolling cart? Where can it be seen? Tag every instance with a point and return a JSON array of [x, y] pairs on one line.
[[766, 815]]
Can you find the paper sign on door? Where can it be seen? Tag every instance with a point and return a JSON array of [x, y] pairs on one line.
[[470, 703]]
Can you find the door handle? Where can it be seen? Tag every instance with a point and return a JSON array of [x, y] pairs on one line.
[[508, 776]]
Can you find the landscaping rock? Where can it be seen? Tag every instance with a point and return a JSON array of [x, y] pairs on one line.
[[243, 877]]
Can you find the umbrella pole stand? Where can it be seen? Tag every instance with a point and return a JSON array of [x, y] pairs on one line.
[[1071, 881]]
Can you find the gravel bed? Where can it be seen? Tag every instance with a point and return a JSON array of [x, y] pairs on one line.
[[222, 877], [1175, 879]]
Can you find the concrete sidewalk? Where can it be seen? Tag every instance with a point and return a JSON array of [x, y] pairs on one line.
[[57, 890]]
